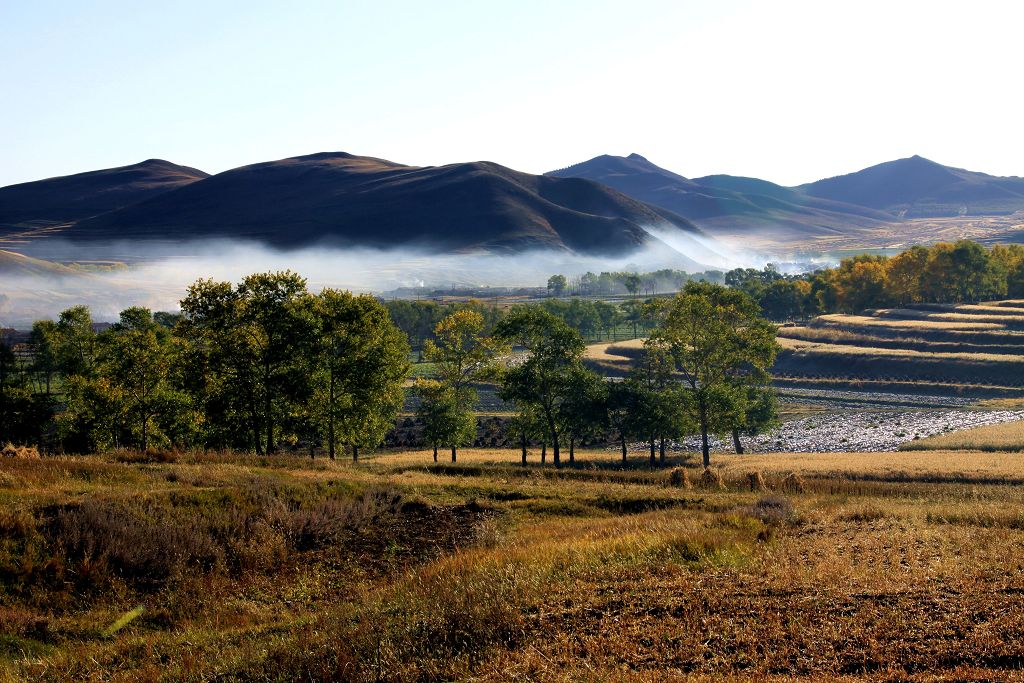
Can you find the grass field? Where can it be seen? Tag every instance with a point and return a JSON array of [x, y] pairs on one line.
[[1007, 437], [172, 567], [959, 346]]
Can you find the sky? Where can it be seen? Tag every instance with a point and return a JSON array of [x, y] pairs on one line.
[[788, 90]]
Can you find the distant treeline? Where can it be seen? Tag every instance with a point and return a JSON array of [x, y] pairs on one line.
[[959, 272]]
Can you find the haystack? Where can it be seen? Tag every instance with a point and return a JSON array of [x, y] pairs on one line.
[[678, 477], [711, 479], [793, 483]]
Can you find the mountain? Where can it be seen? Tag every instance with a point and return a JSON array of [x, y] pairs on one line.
[[342, 199], [917, 188], [76, 197], [726, 205]]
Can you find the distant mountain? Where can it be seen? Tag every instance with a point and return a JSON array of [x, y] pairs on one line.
[[76, 197], [723, 204], [917, 187], [342, 199]]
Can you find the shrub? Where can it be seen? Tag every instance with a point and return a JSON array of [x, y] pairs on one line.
[[771, 510]]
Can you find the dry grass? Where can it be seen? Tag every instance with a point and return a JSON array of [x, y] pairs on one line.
[[802, 346], [1008, 436], [913, 324], [887, 566]]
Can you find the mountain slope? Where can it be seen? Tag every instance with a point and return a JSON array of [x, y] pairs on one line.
[[918, 187], [342, 199], [723, 204], [76, 197]]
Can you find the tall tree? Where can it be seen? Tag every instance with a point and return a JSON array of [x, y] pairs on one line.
[[716, 337], [542, 379], [361, 362], [444, 420], [462, 356], [251, 346]]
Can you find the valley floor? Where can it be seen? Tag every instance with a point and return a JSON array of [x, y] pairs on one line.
[[877, 566]]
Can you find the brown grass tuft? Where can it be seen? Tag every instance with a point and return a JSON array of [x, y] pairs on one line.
[[756, 482]]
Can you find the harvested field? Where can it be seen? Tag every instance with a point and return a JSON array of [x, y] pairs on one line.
[[957, 346], [1007, 437], [879, 567]]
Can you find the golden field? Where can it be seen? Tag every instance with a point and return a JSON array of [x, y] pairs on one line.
[[882, 566]]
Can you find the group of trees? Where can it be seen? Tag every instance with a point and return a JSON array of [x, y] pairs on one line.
[[266, 363], [944, 273], [246, 367], [627, 282], [705, 368]]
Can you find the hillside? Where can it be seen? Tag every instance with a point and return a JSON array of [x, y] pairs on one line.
[[13, 265], [726, 205], [83, 195], [919, 188], [346, 200]]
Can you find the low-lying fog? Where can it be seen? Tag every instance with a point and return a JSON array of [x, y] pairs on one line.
[[157, 275]]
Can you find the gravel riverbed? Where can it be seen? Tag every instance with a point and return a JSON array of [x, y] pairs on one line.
[[856, 431]]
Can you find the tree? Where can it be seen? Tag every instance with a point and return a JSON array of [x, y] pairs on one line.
[[657, 407], [136, 364], [583, 413], [250, 350], [632, 283], [718, 342], [462, 355], [754, 412], [557, 285], [444, 420], [541, 381], [361, 362]]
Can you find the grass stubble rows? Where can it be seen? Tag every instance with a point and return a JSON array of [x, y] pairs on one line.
[[888, 566]]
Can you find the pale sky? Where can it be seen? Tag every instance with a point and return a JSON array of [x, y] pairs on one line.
[[789, 91]]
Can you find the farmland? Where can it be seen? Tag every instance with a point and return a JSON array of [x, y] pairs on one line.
[[400, 569]]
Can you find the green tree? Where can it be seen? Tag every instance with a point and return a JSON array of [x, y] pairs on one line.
[[250, 350], [557, 285], [583, 412], [360, 364], [444, 420], [717, 339], [540, 382], [462, 355]]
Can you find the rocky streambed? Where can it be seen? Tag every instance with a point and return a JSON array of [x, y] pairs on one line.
[[857, 431]]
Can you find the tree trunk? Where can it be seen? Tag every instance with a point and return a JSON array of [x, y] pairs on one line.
[[661, 455], [145, 432], [330, 418], [453, 453], [543, 452], [622, 440], [653, 461], [355, 452], [311, 447], [572, 449], [522, 443], [736, 441], [705, 451], [435, 452]]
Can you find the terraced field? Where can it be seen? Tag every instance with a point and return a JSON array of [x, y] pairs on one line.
[[974, 351]]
